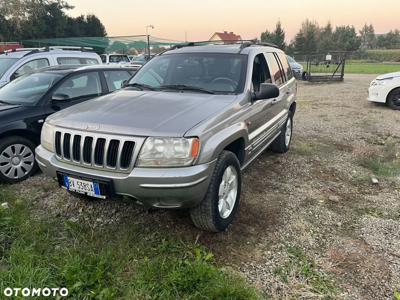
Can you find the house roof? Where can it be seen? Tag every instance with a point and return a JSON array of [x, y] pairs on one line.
[[227, 36]]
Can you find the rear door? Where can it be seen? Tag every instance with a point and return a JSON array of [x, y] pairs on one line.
[[290, 84], [278, 109]]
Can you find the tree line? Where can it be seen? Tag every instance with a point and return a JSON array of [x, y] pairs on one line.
[[38, 19], [313, 38]]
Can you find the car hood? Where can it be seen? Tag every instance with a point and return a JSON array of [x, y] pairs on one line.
[[5, 107], [389, 75], [296, 66], [142, 113]]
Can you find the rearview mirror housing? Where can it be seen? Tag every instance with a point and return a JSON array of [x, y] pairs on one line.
[[60, 97], [267, 91]]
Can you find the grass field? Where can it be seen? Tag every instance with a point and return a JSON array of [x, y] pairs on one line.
[[125, 261], [371, 68], [360, 67]]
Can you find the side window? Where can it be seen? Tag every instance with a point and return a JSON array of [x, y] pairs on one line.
[[115, 79], [31, 66], [68, 60], [79, 86], [275, 69], [285, 64], [261, 72], [89, 61]]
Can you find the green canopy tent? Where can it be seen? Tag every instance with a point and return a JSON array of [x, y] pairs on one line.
[[120, 44]]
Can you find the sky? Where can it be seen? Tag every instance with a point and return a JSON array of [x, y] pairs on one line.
[[199, 19]]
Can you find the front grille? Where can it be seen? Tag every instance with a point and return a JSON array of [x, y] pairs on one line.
[[98, 152]]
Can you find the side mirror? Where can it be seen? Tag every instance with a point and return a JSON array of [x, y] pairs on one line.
[[267, 91], [60, 97], [124, 83]]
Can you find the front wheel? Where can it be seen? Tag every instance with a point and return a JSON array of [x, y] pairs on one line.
[[17, 159], [218, 208], [394, 99]]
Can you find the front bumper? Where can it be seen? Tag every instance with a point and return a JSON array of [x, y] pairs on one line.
[[377, 93], [153, 187]]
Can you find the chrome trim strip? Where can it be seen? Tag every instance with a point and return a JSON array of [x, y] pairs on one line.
[[172, 185], [258, 131]]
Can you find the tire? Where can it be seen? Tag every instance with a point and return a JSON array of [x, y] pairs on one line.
[[211, 215], [282, 143], [305, 76], [393, 99], [17, 159]]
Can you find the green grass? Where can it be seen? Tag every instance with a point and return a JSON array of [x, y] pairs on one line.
[[360, 67], [127, 261], [385, 164], [303, 271], [371, 68]]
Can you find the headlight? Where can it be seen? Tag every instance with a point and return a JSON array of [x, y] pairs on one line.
[[47, 137], [168, 152], [381, 81]]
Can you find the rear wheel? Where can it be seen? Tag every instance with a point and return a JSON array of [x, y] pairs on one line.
[[282, 142], [393, 99], [218, 209], [17, 159]]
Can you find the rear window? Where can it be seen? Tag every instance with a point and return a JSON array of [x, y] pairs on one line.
[[285, 64], [118, 58], [76, 61], [275, 69]]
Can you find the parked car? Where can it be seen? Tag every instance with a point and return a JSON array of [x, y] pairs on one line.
[[140, 60], [115, 58], [28, 100], [386, 89], [18, 62], [180, 133], [297, 68]]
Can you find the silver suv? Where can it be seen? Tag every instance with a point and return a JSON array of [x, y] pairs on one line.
[[18, 62], [180, 133]]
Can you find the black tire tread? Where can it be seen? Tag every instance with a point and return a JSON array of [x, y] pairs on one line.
[[201, 215], [390, 99], [278, 145], [15, 139]]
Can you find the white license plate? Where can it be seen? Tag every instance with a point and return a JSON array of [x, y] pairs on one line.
[[89, 188]]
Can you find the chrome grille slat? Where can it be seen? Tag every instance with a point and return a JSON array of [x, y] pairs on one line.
[[92, 147]]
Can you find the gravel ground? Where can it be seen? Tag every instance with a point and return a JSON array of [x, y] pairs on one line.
[[312, 223]]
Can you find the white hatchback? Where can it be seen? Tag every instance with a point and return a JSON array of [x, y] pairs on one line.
[[386, 89]]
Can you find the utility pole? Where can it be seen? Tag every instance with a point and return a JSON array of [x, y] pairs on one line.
[[148, 39]]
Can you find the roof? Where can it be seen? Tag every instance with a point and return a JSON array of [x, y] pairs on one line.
[[227, 36], [21, 52], [221, 48], [67, 69]]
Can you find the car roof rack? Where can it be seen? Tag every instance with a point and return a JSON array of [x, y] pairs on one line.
[[47, 49], [243, 44]]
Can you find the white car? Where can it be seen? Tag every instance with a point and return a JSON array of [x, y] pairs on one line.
[[115, 58], [15, 63], [386, 89]]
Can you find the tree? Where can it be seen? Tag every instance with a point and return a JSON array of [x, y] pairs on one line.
[[391, 40], [326, 42], [36, 19], [368, 37], [346, 38], [306, 40], [276, 37]]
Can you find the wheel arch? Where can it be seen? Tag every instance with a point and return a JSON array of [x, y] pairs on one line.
[[29, 135], [390, 92]]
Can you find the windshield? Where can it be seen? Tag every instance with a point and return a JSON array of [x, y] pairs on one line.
[[28, 89], [5, 64], [216, 72]]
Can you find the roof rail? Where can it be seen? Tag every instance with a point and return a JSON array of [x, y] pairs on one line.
[[48, 48], [243, 44]]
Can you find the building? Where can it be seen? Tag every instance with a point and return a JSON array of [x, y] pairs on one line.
[[225, 36]]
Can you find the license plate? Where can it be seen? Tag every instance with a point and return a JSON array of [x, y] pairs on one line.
[[85, 187]]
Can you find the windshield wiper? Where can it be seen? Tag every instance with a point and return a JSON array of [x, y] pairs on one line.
[[140, 86], [4, 102], [183, 87]]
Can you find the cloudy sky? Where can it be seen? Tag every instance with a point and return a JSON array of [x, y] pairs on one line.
[[198, 19]]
